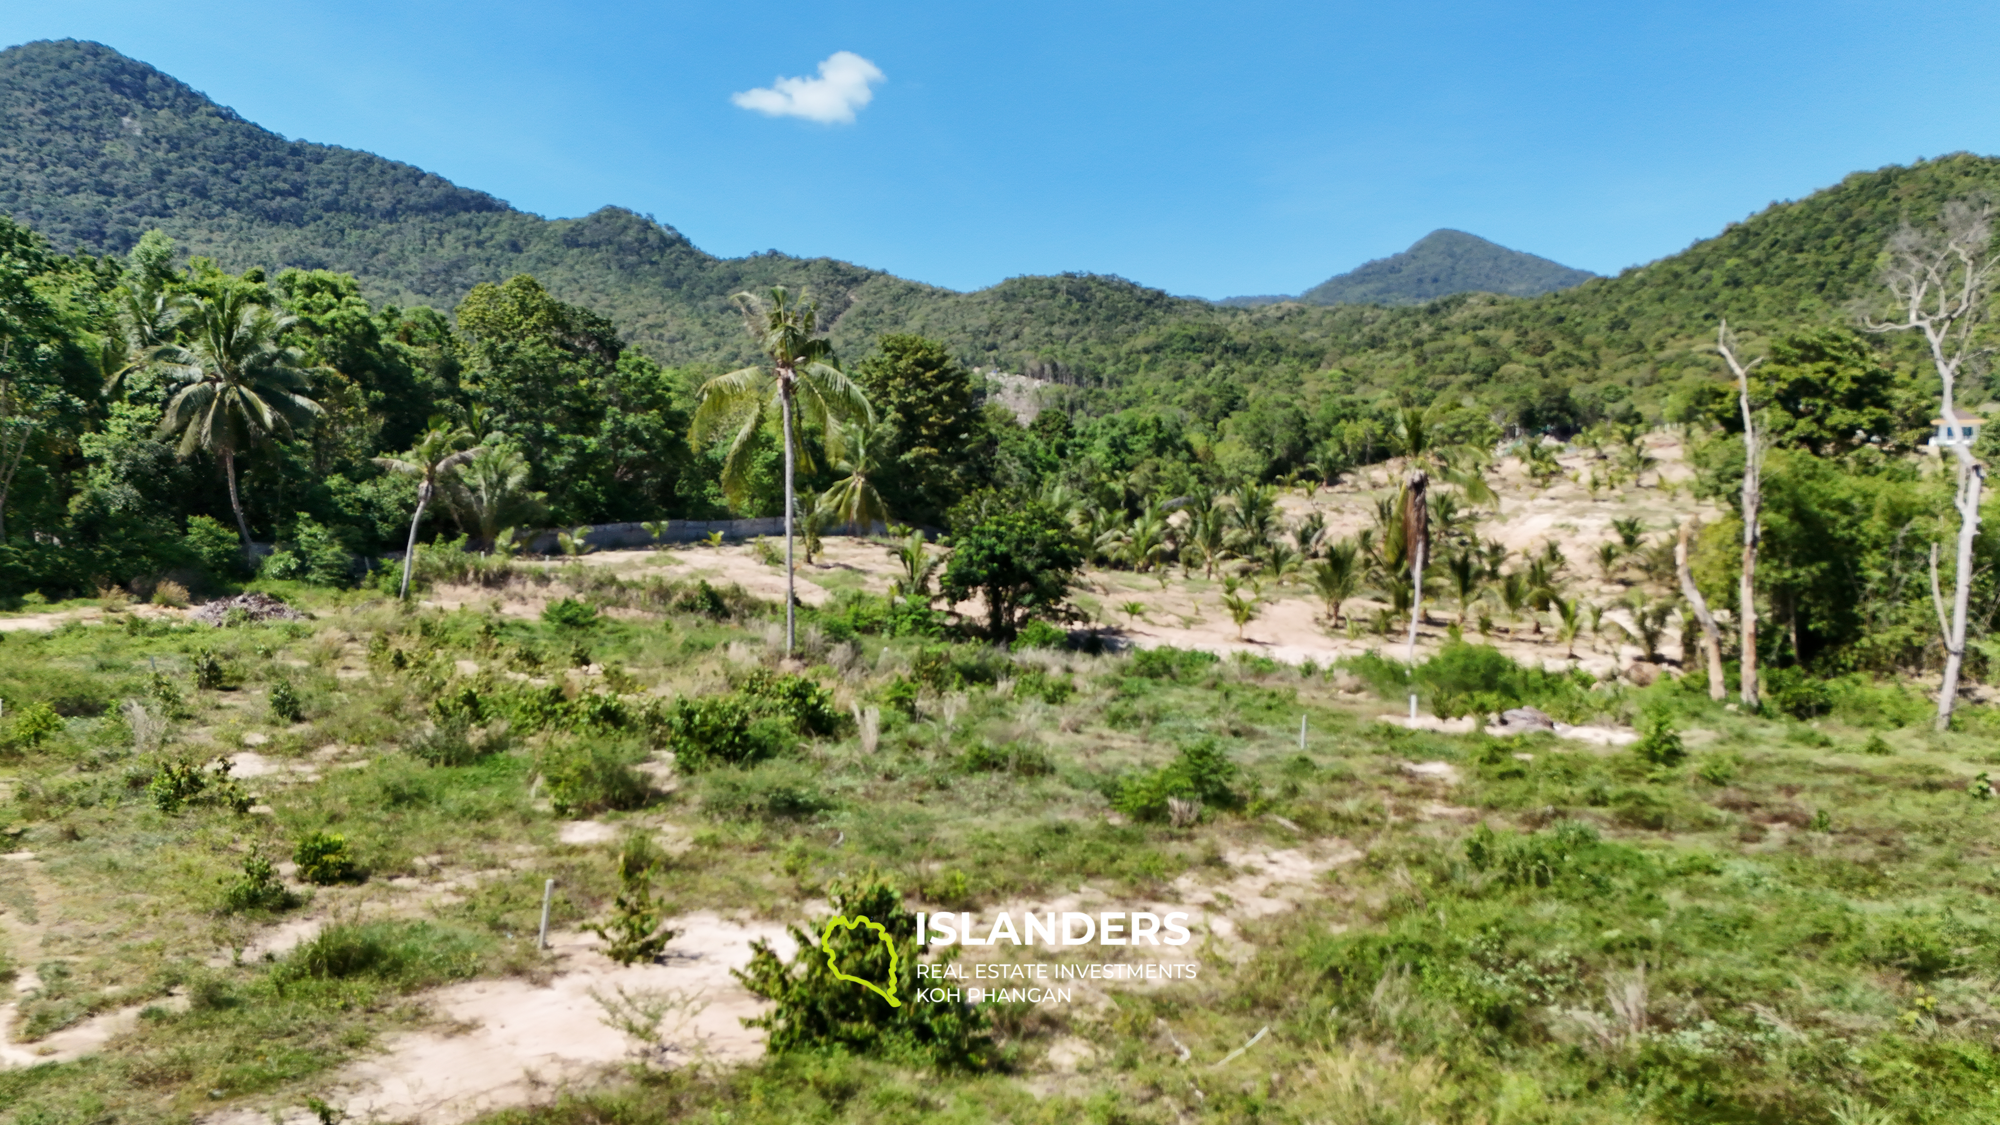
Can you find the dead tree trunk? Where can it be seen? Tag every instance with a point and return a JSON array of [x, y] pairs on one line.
[[1941, 281], [1711, 636], [1753, 506]]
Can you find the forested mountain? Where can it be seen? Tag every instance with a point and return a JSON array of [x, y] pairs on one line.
[[1440, 264], [97, 147]]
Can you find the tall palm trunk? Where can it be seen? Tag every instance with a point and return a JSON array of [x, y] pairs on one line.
[[791, 624], [236, 502], [410, 552]]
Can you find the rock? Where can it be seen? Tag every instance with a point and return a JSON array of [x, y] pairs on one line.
[[1522, 720], [1643, 674], [253, 607]]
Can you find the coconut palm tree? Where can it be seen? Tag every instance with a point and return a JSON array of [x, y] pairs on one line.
[[491, 487], [239, 387], [854, 500], [1569, 615], [1337, 577], [436, 454], [1468, 578], [801, 382]]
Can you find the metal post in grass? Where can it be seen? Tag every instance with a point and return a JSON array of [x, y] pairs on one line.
[[548, 892], [1302, 732]]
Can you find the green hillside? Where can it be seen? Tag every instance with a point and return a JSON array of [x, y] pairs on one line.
[[1440, 264], [97, 147]]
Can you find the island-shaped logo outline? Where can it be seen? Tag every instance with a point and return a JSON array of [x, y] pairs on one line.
[[843, 922]]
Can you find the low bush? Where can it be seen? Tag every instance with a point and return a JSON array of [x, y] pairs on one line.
[[1040, 634], [1176, 664], [815, 1011], [802, 704], [31, 726], [404, 954], [285, 702], [323, 860], [718, 730], [775, 791], [1659, 743], [257, 889], [587, 778], [180, 782], [1201, 773], [1016, 758], [570, 613], [1567, 851], [635, 932]]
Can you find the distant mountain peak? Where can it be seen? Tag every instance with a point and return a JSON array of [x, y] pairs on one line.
[[1439, 264]]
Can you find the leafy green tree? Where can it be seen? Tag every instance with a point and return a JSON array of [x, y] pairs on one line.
[[239, 387], [1020, 558], [937, 447], [1827, 390], [438, 453], [801, 381]]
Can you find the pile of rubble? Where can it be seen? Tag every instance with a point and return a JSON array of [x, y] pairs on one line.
[[245, 609]]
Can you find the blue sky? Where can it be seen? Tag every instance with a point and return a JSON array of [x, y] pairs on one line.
[[1210, 149]]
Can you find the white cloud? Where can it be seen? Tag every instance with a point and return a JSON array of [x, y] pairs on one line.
[[841, 88]]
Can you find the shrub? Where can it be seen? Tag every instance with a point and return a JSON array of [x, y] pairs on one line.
[[32, 725], [900, 694], [700, 598], [409, 955], [1166, 663], [1201, 773], [282, 565], [634, 932], [775, 791], [322, 559], [178, 781], [215, 545], [207, 668], [1793, 691], [570, 613], [1538, 859], [257, 889], [814, 1011], [323, 860], [169, 592], [1037, 683], [1040, 634], [719, 730], [807, 707], [285, 704], [1878, 745], [1659, 743], [589, 778], [1012, 757], [943, 668]]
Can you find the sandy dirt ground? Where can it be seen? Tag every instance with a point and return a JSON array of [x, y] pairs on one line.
[[513, 1041], [1292, 624]]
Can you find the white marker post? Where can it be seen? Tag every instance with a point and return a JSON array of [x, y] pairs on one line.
[[1302, 732], [548, 892]]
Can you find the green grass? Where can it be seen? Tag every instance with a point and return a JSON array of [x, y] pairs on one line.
[[1813, 921]]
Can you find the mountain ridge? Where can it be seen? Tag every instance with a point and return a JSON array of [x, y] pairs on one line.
[[1441, 264], [96, 147]]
